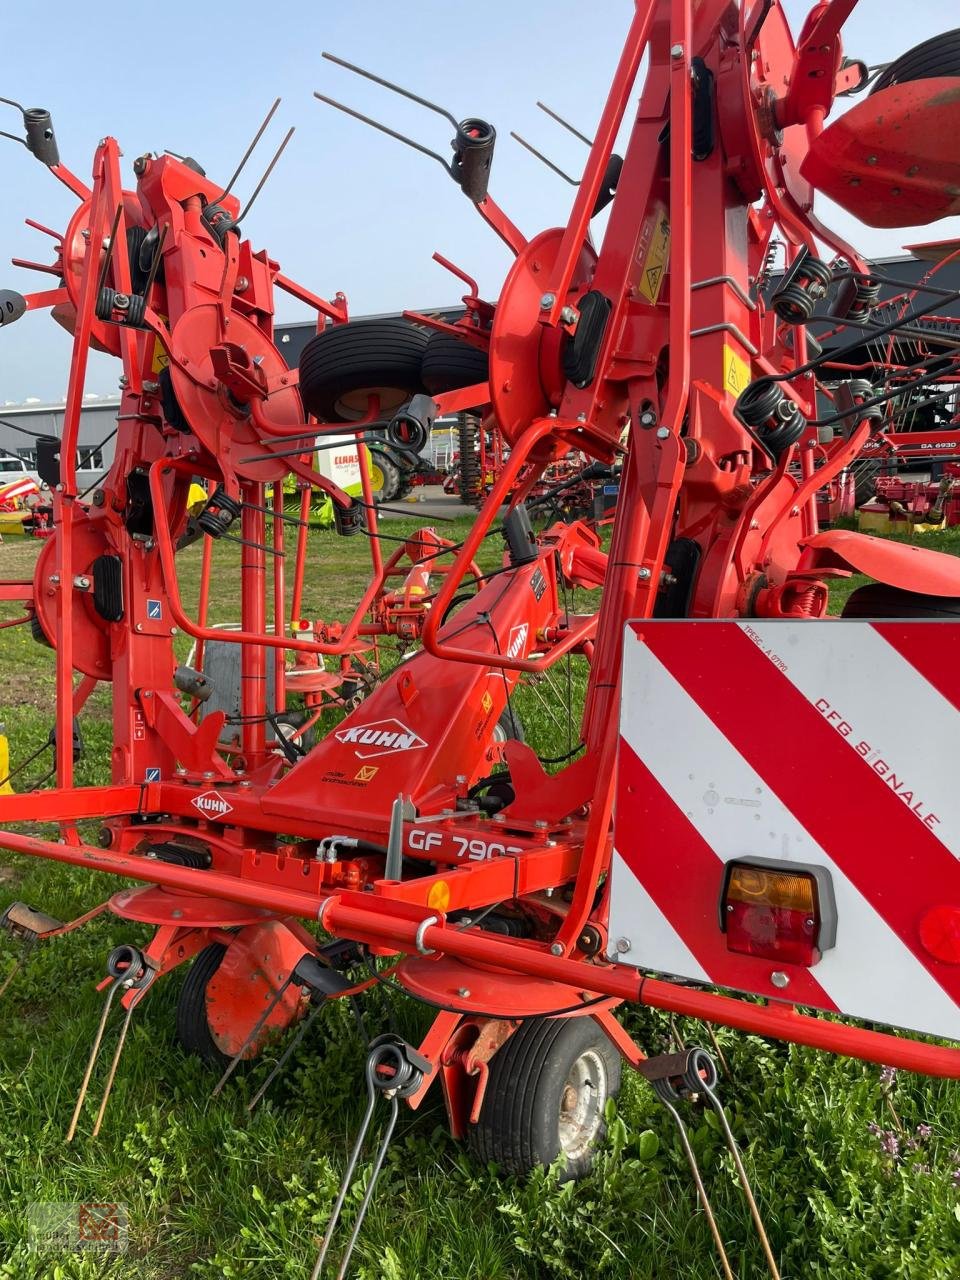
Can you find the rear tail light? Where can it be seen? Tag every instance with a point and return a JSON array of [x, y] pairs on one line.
[[780, 911]]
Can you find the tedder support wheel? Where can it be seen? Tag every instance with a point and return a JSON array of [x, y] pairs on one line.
[[449, 364], [877, 600], [227, 989], [546, 1097], [344, 365], [385, 479], [937, 57], [471, 481], [193, 1029]]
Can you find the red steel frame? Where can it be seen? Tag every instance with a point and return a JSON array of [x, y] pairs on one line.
[[683, 243]]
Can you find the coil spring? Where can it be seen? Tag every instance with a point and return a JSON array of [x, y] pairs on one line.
[[807, 283], [348, 521], [130, 307], [795, 301], [774, 417], [865, 299], [219, 513], [863, 389], [217, 221]]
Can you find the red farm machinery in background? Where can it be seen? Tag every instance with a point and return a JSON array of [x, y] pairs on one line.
[[419, 826]]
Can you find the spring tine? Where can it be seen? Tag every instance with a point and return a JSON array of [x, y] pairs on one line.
[[108, 256], [11, 975], [388, 84], [574, 182], [734, 1150], [716, 1048], [249, 151], [345, 1185], [112, 1074], [281, 1062], [698, 1181], [375, 124], [371, 1184], [266, 174], [257, 1028], [92, 1061], [565, 123]]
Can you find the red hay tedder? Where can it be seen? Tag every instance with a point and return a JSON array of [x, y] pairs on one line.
[[684, 837]]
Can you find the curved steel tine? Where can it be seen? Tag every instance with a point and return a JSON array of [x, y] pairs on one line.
[[565, 123], [347, 1180], [94, 1054], [371, 1184], [248, 153], [395, 88], [108, 256], [734, 1149], [257, 1028], [11, 975], [281, 1062], [391, 133], [574, 182], [698, 1182], [112, 1074], [266, 174]]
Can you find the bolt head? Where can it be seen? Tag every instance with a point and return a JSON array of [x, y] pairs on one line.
[[568, 315], [648, 418], [779, 979], [556, 949], [676, 51], [644, 574], [663, 433], [463, 993], [547, 301], [624, 945]]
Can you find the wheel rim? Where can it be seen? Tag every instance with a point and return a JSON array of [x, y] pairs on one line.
[[376, 478], [582, 1101]]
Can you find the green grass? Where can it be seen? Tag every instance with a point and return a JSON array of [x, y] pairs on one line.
[[215, 1193]]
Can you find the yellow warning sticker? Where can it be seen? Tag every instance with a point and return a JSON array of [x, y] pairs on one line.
[[736, 372], [367, 773], [654, 253], [160, 357]]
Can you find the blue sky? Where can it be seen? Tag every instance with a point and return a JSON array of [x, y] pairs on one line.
[[346, 208]]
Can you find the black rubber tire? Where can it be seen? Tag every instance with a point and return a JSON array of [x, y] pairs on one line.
[[878, 600], [471, 481], [37, 631], [135, 239], [296, 720], [939, 56], [345, 363], [449, 364], [519, 1124], [390, 488], [509, 726], [865, 480], [193, 1030]]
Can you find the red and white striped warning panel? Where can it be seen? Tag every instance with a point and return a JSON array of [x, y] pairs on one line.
[[788, 813]]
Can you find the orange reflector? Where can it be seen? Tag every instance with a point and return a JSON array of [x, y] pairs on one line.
[[754, 886], [778, 911]]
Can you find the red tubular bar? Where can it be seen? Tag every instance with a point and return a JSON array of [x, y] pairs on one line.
[[166, 552], [499, 494], [397, 925]]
